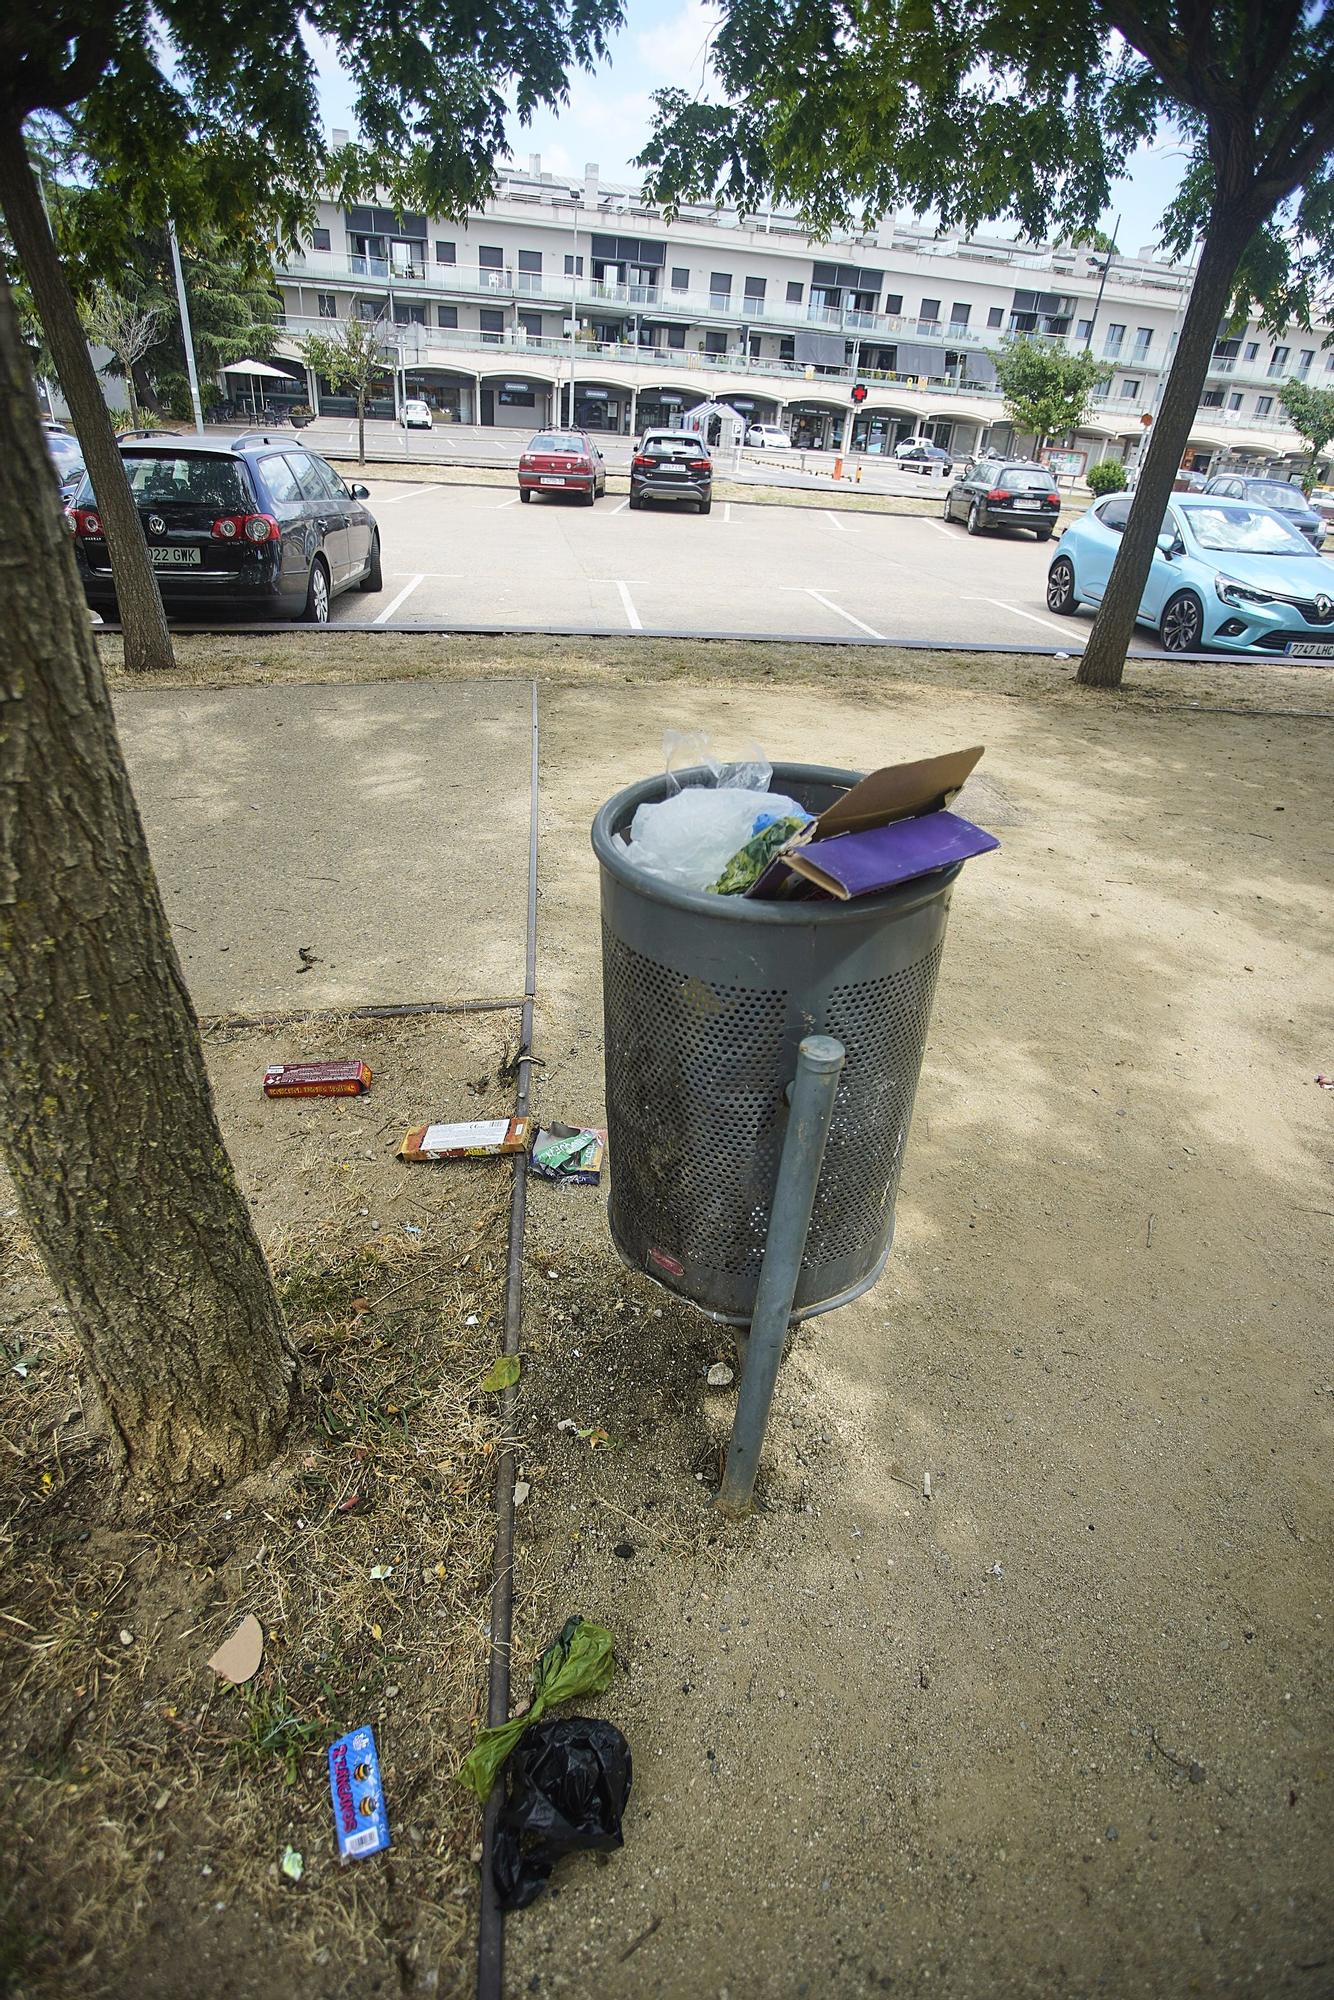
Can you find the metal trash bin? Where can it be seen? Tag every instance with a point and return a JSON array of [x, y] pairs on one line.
[[705, 1000]]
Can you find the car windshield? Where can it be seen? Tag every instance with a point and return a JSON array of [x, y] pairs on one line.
[[1026, 482], [557, 441], [157, 479], [1271, 494], [1229, 527]]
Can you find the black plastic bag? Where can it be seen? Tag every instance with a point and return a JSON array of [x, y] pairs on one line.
[[567, 1783]]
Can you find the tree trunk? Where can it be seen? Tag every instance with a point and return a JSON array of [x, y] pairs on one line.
[[1104, 657], [147, 644], [361, 427], [106, 1117], [134, 400]]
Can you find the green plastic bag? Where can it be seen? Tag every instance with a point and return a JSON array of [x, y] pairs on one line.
[[578, 1662], [749, 862]]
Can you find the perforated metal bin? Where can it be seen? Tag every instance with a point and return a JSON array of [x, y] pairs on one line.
[[705, 1000]]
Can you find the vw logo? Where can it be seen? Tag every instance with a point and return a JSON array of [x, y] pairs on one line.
[[1323, 606], [156, 525]]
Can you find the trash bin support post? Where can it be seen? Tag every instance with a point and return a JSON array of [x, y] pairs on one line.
[[820, 1062]]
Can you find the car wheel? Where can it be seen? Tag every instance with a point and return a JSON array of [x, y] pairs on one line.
[[374, 577], [317, 594], [1061, 588], [592, 499], [1042, 534], [1182, 623], [704, 506], [525, 494], [974, 522], [947, 511], [636, 502]]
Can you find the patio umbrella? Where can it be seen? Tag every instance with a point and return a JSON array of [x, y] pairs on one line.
[[261, 368]]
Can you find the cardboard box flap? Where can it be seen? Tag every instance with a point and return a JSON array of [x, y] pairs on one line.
[[897, 792]]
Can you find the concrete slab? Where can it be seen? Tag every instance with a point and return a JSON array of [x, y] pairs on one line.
[[383, 828]]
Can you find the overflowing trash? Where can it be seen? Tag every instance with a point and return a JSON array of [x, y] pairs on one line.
[[570, 1154], [579, 1661], [567, 1785]]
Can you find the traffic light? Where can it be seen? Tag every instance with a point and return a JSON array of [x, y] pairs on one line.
[[859, 392]]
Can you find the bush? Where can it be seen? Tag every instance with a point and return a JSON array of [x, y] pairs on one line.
[[1108, 477]]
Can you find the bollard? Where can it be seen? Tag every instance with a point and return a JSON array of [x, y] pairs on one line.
[[838, 468], [859, 475], [820, 1062]]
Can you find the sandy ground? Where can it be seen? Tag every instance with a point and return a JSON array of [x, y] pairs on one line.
[[1063, 1727]]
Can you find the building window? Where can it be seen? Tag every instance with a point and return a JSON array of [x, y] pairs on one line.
[[531, 260], [676, 336], [490, 258], [787, 348], [1084, 332], [1212, 399], [1115, 339], [370, 309], [328, 306], [1252, 350], [444, 252], [680, 278], [959, 313], [755, 289], [720, 284], [795, 290], [1263, 405], [930, 310], [1234, 400], [447, 315], [409, 315], [1279, 360], [995, 316], [574, 266], [715, 343], [1143, 342], [320, 239], [531, 324], [492, 323], [894, 305], [1304, 360], [1130, 389], [754, 346]]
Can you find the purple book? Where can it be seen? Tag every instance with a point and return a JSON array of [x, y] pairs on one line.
[[857, 864]]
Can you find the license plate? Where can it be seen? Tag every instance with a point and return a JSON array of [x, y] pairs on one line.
[[1028, 506], [1311, 649], [546, 480], [174, 558]]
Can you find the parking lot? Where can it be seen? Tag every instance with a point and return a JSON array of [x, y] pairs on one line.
[[474, 556]]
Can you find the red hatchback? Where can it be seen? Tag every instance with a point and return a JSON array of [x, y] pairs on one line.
[[562, 462]]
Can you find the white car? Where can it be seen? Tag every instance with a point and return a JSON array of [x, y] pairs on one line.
[[768, 436], [417, 417]]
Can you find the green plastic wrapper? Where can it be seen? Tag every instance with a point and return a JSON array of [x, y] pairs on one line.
[[749, 862], [578, 1662]]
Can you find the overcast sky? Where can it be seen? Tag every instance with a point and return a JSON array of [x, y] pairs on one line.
[[666, 42]]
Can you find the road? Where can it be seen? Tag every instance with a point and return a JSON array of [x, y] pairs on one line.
[[472, 444], [475, 556]]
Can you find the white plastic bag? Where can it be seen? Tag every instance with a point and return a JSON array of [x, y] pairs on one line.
[[689, 838], [687, 749]]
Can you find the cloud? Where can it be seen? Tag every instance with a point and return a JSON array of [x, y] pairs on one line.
[[676, 51]]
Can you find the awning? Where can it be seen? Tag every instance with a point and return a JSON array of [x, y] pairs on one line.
[[257, 368]]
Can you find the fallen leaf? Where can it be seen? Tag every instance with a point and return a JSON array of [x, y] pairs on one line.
[[502, 1374], [292, 1864], [237, 1659]]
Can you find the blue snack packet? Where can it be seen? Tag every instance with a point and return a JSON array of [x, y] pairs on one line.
[[360, 1820]]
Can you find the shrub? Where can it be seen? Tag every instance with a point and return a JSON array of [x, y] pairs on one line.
[[1108, 477]]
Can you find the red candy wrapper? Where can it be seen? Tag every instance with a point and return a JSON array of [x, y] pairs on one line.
[[321, 1079]]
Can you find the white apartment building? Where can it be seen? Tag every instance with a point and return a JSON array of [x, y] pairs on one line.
[[550, 285]]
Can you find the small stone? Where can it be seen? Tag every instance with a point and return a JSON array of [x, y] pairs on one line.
[[720, 1376], [1112, 1834], [522, 1488], [624, 1550], [1196, 1774], [126, 1638]]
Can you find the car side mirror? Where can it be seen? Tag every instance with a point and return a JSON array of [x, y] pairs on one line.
[[1167, 546], [361, 492]]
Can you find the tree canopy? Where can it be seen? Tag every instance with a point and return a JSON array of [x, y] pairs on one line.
[[1311, 414], [1047, 389], [988, 109]]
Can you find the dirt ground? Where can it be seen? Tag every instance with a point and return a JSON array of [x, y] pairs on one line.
[[1060, 1728]]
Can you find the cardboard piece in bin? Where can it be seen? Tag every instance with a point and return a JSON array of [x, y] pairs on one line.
[[896, 791]]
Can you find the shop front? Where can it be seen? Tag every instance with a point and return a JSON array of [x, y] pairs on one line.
[[658, 409], [451, 397], [815, 426], [597, 409], [516, 402]]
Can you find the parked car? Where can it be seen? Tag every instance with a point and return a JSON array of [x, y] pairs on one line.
[[920, 455], [67, 457], [768, 437], [1005, 493], [562, 462], [252, 525], [417, 417], [672, 465], [1287, 500], [1228, 576]]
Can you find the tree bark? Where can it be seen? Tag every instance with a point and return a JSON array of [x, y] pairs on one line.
[[361, 427], [147, 642], [106, 1117], [1104, 657]]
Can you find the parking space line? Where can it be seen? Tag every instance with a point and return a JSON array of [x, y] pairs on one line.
[[408, 493], [839, 612], [1032, 618], [727, 510], [620, 509], [939, 526], [834, 522], [383, 617], [635, 621], [507, 503]]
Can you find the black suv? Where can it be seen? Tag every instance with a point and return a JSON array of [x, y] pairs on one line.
[[672, 465], [1005, 493], [252, 525]]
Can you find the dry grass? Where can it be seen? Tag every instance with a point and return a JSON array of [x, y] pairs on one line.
[[149, 1804]]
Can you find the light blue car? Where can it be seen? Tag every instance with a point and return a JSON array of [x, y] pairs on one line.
[[1228, 576]]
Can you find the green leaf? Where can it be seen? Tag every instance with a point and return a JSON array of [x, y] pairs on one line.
[[502, 1374], [579, 1662]]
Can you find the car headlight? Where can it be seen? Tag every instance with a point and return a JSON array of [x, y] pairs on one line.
[[1241, 593]]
